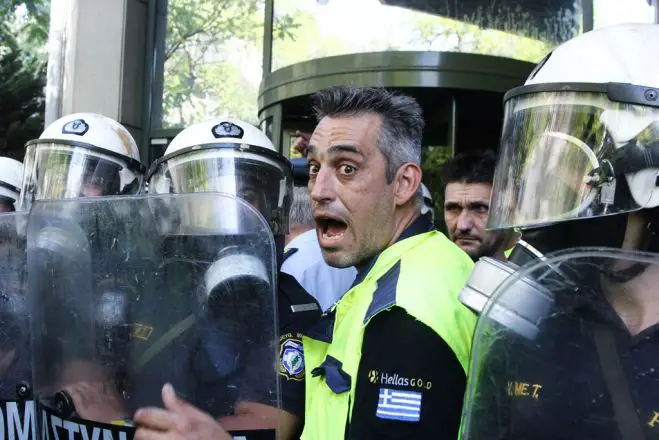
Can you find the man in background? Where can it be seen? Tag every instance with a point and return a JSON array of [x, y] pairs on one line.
[[468, 186]]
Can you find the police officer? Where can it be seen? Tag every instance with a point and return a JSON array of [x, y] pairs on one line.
[[572, 354], [11, 176], [233, 157], [79, 155], [15, 371], [11, 280]]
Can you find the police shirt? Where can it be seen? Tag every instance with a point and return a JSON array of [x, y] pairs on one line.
[[298, 311], [402, 355], [556, 387]]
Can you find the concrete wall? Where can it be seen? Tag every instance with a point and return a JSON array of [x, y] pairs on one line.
[[96, 60]]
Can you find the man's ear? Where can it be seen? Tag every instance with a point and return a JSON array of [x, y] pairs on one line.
[[406, 183]]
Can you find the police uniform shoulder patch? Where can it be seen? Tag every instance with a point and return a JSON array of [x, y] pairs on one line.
[[78, 126], [228, 129], [289, 252], [291, 357]]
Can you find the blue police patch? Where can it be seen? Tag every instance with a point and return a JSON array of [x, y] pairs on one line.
[[291, 357], [78, 126]]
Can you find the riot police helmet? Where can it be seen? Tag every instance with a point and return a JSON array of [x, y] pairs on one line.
[[580, 139], [81, 155], [232, 157]]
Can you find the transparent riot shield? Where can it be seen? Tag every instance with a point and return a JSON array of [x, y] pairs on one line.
[[130, 293], [17, 411], [567, 348]]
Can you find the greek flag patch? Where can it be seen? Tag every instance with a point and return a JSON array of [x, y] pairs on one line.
[[404, 406]]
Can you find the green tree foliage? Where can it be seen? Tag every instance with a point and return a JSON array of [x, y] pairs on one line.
[[213, 55], [22, 73], [29, 19], [214, 49]]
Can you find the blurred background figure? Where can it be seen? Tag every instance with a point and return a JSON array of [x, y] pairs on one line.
[[300, 220]]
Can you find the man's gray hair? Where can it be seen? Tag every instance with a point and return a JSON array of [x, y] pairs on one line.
[[300, 214], [402, 119]]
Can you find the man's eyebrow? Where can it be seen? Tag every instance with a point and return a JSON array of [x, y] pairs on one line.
[[475, 205], [336, 149]]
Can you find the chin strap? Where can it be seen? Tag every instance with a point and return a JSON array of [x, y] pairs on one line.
[[649, 244]]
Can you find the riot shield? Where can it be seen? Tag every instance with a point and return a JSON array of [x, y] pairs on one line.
[[566, 348], [130, 293], [17, 411]]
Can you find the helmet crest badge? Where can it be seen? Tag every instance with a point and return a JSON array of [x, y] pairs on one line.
[[78, 126], [227, 129]]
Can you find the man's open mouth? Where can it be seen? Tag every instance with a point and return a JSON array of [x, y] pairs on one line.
[[331, 228]]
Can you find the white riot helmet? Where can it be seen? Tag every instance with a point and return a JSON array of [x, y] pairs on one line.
[[11, 176], [227, 156], [581, 137], [580, 141], [83, 154]]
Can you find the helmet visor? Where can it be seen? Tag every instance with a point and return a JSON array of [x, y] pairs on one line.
[[263, 182], [560, 160], [55, 171]]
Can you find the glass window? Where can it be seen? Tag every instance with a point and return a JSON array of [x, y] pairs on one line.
[[610, 12], [266, 126], [308, 29], [213, 56], [432, 160], [213, 49]]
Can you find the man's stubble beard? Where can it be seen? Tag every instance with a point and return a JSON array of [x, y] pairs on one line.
[[490, 249], [370, 244]]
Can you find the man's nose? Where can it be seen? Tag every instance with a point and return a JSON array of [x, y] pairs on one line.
[[465, 221], [321, 188]]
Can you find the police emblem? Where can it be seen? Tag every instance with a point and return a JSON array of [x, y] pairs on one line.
[[291, 359], [78, 126], [228, 129]]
